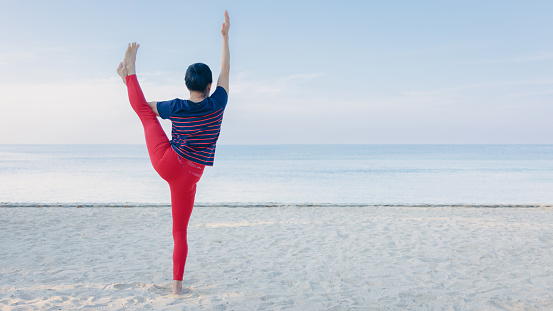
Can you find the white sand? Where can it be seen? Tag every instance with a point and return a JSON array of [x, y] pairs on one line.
[[296, 258]]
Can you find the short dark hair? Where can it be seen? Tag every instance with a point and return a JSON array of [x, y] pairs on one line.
[[198, 77]]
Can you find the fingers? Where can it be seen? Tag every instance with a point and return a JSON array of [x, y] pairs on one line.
[[227, 20], [226, 25]]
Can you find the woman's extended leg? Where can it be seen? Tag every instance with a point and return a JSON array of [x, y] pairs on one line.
[[156, 139]]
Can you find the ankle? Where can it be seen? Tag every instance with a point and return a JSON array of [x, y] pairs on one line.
[[177, 287]]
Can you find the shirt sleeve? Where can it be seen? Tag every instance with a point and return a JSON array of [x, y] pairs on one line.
[[165, 108], [220, 97]]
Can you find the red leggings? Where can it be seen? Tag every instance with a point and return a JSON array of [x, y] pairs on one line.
[[181, 174]]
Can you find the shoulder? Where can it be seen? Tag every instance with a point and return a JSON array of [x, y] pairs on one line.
[[219, 97], [175, 101], [168, 107]]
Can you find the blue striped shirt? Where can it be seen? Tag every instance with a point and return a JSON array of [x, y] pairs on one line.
[[196, 126]]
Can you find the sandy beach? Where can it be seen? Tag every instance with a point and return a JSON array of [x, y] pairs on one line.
[[275, 258]]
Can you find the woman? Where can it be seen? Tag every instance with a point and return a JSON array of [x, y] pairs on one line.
[[196, 125]]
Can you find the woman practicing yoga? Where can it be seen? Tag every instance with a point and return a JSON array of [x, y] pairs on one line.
[[196, 126]]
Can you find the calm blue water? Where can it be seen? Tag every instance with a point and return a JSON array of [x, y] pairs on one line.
[[295, 174]]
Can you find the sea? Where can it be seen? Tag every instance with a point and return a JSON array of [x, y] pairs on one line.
[[267, 175]]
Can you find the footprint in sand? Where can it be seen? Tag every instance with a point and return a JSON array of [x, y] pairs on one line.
[[160, 289], [123, 286]]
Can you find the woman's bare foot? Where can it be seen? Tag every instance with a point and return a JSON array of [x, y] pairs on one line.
[[130, 58], [177, 287], [122, 71]]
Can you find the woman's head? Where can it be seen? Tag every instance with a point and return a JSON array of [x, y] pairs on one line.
[[198, 78]]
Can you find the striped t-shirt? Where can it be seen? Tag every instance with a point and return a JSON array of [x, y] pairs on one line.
[[196, 126]]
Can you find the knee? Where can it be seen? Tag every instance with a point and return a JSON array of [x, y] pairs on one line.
[[185, 190], [179, 237], [190, 191]]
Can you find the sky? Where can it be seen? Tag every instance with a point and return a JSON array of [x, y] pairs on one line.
[[302, 72]]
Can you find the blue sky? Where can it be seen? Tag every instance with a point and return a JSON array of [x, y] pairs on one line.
[[301, 71]]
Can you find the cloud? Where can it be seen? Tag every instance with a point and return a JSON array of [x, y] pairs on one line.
[[444, 49], [280, 110], [249, 86], [36, 53], [476, 86], [7, 58], [88, 111], [532, 57], [525, 94]]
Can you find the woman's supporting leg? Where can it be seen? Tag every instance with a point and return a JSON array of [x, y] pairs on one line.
[[181, 208], [183, 192]]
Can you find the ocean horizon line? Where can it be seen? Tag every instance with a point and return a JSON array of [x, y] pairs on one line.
[[292, 144], [276, 204]]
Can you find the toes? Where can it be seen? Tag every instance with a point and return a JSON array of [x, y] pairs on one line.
[[134, 46]]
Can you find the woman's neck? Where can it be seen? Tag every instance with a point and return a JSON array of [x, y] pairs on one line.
[[197, 97]]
